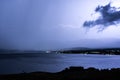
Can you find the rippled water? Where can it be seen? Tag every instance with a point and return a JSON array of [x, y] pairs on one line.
[[17, 63]]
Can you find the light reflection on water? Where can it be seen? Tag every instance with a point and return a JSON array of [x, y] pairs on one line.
[[17, 63]]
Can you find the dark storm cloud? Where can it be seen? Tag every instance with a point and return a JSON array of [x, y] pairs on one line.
[[109, 16]]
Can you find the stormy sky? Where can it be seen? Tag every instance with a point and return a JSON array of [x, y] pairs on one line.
[[56, 24], [108, 16]]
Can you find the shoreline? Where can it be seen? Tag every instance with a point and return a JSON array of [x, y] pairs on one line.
[[71, 73]]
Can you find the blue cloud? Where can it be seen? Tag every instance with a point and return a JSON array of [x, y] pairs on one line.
[[109, 16]]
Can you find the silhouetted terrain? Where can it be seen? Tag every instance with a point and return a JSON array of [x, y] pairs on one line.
[[92, 51], [72, 73], [77, 50]]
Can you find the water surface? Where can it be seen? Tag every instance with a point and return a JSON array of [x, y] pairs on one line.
[[52, 62]]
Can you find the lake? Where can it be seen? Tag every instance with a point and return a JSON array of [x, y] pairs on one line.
[[53, 62]]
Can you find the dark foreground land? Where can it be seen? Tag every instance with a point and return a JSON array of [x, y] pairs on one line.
[[72, 73]]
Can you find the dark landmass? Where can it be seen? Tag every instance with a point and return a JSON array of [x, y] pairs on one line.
[[77, 50], [114, 51], [72, 73]]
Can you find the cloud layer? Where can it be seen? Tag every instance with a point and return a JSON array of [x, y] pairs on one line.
[[108, 16]]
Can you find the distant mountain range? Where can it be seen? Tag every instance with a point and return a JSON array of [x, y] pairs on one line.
[[79, 48]]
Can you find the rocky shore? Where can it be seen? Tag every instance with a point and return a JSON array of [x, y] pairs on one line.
[[71, 73]]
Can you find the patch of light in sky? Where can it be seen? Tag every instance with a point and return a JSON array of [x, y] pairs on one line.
[[115, 3], [110, 32]]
